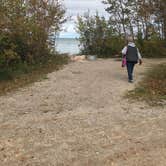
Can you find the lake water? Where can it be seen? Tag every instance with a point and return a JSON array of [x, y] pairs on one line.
[[67, 45]]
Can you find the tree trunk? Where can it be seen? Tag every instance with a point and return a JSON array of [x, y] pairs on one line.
[[131, 29], [164, 29]]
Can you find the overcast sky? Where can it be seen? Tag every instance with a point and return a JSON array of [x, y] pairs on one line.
[[75, 7]]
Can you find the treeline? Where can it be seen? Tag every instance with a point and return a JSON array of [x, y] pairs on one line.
[[144, 20], [97, 36], [25, 30]]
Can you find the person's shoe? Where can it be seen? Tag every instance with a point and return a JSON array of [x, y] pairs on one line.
[[131, 81]]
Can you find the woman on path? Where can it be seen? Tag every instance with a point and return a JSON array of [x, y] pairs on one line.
[[133, 56]]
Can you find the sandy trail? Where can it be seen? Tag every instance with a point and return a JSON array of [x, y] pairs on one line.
[[78, 117]]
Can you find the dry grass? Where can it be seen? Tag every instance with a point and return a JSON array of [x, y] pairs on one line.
[[153, 87], [25, 74]]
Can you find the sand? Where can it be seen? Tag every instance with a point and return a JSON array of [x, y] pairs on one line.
[[78, 116]]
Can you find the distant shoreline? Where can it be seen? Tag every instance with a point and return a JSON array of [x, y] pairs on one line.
[[66, 38], [67, 45]]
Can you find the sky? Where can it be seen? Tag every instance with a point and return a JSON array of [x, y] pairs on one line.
[[75, 7]]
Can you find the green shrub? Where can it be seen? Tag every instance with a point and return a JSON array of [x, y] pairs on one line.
[[8, 54], [98, 37], [154, 49], [19, 69], [25, 30]]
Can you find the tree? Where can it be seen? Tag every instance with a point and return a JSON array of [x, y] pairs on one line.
[[159, 10], [97, 36], [25, 27], [146, 17], [121, 14]]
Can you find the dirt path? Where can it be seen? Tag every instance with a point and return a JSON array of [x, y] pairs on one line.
[[77, 117]]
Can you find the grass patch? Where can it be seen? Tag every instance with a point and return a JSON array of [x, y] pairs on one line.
[[153, 87], [23, 74]]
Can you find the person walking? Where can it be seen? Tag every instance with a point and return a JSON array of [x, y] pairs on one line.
[[133, 56]]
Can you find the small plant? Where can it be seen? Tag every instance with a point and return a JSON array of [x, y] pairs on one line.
[[152, 89]]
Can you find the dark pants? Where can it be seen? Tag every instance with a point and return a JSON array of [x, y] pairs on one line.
[[130, 69]]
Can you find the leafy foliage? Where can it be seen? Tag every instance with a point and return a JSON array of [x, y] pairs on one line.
[[134, 17], [25, 27], [153, 49], [97, 36], [144, 20]]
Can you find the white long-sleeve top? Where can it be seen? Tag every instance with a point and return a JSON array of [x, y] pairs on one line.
[[124, 51]]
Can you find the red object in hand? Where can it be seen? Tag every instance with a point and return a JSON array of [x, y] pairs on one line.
[[124, 61]]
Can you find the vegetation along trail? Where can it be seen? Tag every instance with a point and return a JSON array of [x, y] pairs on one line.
[[78, 116]]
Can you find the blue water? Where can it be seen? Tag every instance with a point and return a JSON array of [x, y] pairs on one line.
[[67, 45]]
